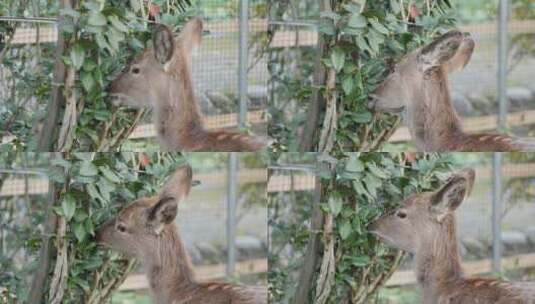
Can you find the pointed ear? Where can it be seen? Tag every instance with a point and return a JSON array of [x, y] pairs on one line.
[[178, 184], [440, 50], [163, 43], [462, 56], [191, 34], [452, 194], [164, 212], [174, 191]]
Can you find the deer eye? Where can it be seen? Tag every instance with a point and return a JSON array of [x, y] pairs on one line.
[[121, 227], [401, 214], [135, 70]]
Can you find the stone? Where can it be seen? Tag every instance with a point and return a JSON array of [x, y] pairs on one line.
[[462, 104], [530, 234], [250, 247], [195, 255], [206, 104], [474, 248], [209, 252], [222, 102], [519, 96], [257, 94], [514, 242]]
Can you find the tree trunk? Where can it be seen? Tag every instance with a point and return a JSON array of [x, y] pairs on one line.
[[317, 100], [304, 285], [51, 123]]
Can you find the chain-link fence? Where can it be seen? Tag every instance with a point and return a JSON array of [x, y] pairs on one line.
[[474, 89], [215, 67], [291, 191], [203, 218]]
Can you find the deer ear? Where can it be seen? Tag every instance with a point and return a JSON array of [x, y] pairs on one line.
[[452, 194], [164, 212], [163, 43], [178, 184], [440, 51], [462, 56], [191, 34]]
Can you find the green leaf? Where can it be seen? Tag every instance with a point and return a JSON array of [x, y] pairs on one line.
[[88, 168], [136, 5], [372, 183], [338, 59], [117, 24], [97, 19], [360, 261], [379, 27], [379, 172], [69, 12], [77, 55], [93, 192], [335, 205], [354, 164], [395, 6], [363, 117], [89, 227], [348, 84], [352, 7], [345, 229], [79, 231], [357, 21], [109, 174], [68, 206], [87, 81]]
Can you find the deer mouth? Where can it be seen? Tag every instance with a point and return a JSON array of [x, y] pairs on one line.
[[118, 99]]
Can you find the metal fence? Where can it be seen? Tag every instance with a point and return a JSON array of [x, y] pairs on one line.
[[495, 233], [504, 40], [222, 222], [229, 69]]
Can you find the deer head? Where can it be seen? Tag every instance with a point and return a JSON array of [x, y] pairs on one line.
[[421, 217], [147, 81], [136, 230], [422, 72]]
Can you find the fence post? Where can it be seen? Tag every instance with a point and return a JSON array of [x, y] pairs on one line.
[[231, 212], [496, 211], [243, 61], [502, 63]]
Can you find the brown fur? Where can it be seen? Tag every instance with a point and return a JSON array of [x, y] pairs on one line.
[[425, 226], [167, 86], [151, 236], [420, 84]]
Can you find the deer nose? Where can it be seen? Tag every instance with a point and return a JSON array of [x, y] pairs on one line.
[[101, 231]]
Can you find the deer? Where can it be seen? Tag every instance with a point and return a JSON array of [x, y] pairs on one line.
[[145, 230], [160, 78], [419, 87], [425, 226]]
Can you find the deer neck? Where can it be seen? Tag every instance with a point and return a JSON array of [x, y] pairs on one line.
[[169, 268], [438, 265], [431, 118], [179, 118]]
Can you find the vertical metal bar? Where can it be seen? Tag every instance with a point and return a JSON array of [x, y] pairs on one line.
[[502, 63], [231, 212], [243, 61], [496, 211]]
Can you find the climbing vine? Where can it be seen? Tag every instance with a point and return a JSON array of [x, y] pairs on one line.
[[359, 42], [347, 264]]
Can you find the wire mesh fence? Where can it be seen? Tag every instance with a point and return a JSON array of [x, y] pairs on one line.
[[474, 89], [202, 218], [290, 189], [214, 67]]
